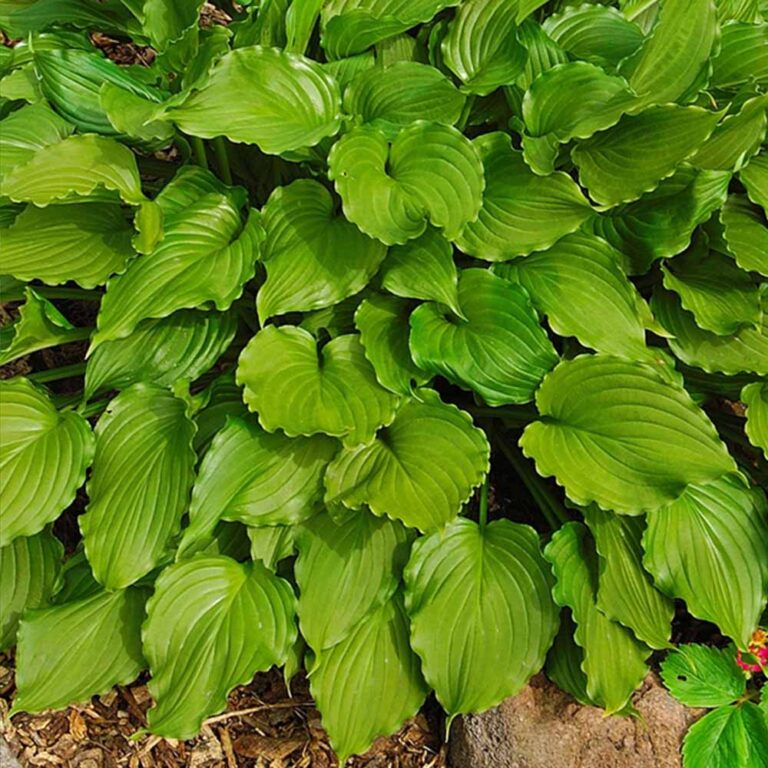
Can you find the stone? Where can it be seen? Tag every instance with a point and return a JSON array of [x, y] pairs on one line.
[[543, 727]]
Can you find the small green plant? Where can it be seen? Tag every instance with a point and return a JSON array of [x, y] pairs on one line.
[[430, 348]]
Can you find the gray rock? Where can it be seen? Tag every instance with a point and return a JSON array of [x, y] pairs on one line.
[[7, 760], [544, 727]]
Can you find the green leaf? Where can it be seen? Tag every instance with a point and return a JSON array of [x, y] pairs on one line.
[[710, 548], [313, 257], [673, 58], [743, 56], [300, 20], [754, 177], [43, 458], [421, 469], [272, 543], [728, 736], [20, 17], [139, 484], [430, 172], [181, 346], [580, 286], [521, 212], [393, 97], [135, 116], [164, 22], [423, 269], [384, 331], [745, 351], [621, 434], [755, 397], [620, 164], [500, 351], [625, 589], [212, 623], [369, 684], [614, 661], [84, 242], [30, 568], [565, 660], [297, 104], [256, 478], [21, 84], [702, 676], [746, 233], [295, 387], [461, 581], [39, 326], [70, 652], [203, 261], [543, 52], [481, 47], [345, 572], [223, 398]]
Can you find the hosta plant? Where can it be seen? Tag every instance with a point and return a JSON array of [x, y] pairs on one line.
[[346, 258]]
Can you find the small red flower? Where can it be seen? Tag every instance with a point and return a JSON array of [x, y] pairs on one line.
[[755, 658]]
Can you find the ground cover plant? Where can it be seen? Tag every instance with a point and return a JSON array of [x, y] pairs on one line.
[[347, 258]]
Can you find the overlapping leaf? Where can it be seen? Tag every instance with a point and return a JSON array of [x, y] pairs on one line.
[[755, 179], [701, 676], [755, 397], [746, 233]]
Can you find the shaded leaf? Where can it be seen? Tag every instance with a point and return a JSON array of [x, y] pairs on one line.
[[272, 543], [755, 397], [223, 398], [754, 176], [746, 233]]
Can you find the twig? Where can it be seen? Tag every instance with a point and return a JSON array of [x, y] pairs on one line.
[[253, 710]]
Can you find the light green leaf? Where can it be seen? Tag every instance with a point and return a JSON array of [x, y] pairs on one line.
[[27, 131], [39, 326], [729, 736], [272, 543], [212, 623], [521, 212], [481, 47], [294, 387], [620, 164], [715, 534], [134, 116], [614, 661], [183, 345], [164, 22], [755, 397], [43, 458], [256, 478], [423, 269], [625, 589], [739, 10], [565, 660], [21, 84], [70, 652], [20, 17], [223, 398], [500, 351], [402, 47], [702, 676], [543, 52], [369, 684], [84, 242], [580, 286], [746, 233], [297, 104], [743, 56], [300, 20], [313, 257], [205, 257], [421, 469], [754, 177], [345, 572], [393, 97], [30, 568], [139, 485], [344, 71], [461, 581], [621, 434], [430, 172]]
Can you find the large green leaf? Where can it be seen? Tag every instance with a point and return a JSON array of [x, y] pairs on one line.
[[345, 572], [621, 434], [27, 131], [139, 484], [459, 583], [715, 534], [702, 676], [620, 164], [625, 589], [421, 469], [500, 351], [20, 17], [430, 172], [754, 177], [580, 286], [614, 661], [84, 242], [521, 212], [313, 257], [743, 56], [370, 683], [295, 387], [481, 47], [204, 259], [755, 397], [43, 458], [296, 104], [746, 233], [223, 398], [256, 478], [70, 652], [543, 52], [30, 568], [212, 623], [164, 22]]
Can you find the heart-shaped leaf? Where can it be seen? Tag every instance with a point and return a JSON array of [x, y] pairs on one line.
[[755, 397], [754, 177], [702, 676], [746, 233]]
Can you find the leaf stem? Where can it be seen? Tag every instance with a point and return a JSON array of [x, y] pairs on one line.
[[198, 149], [91, 409], [57, 374], [222, 159], [483, 518]]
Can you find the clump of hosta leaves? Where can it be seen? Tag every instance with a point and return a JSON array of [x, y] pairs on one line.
[[338, 248]]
